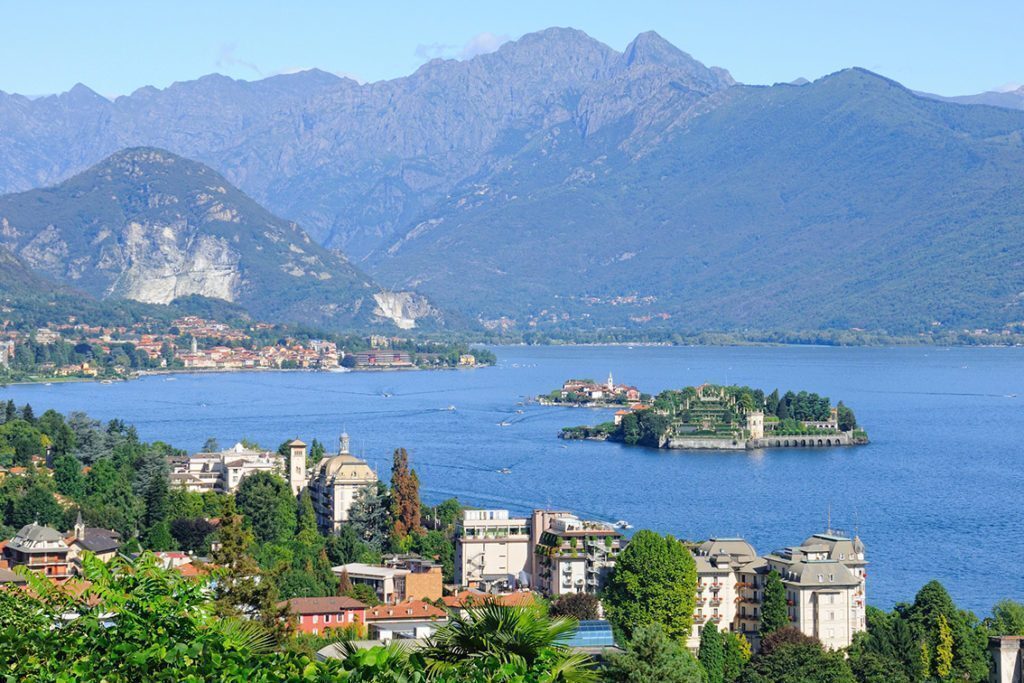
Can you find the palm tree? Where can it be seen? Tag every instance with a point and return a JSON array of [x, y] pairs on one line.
[[517, 636]]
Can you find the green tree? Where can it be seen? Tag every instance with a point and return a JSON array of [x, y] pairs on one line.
[[847, 420], [36, 504], [306, 521], [165, 631], [266, 502], [651, 656], [62, 439], [1007, 619], [241, 590], [774, 611], [736, 654], [788, 656], [67, 475], [711, 654], [654, 582], [369, 515], [943, 660]]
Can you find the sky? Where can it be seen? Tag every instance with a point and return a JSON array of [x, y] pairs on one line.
[[948, 48]]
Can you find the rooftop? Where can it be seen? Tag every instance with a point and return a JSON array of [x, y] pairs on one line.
[[324, 605]]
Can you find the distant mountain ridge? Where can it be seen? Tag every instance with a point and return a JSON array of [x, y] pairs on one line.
[[1008, 99], [560, 184], [150, 226], [354, 163]]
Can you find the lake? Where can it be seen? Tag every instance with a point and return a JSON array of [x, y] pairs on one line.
[[939, 493]]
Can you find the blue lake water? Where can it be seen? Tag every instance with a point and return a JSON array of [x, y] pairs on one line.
[[939, 493]]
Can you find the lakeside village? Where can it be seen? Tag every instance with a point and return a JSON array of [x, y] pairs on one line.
[[74, 350], [312, 549], [709, 417]]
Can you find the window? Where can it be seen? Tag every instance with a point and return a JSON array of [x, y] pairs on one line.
[[821, 577], [315, 618], [327, 618]]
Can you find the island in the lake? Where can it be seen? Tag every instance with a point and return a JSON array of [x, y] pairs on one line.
[[711, 417]]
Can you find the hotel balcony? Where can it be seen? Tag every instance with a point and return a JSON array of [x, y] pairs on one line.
[[715, 602]]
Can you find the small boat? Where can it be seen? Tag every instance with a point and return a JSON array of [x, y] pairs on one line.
[[504, 423], [519, 412], [170, 379], [622, 524], [106, 381], [450, 408], [504, 470]]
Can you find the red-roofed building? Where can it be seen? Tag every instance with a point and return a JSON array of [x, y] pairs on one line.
[[473, 598], [317, 615], [410, 619]]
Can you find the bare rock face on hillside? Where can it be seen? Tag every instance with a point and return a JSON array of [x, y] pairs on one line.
[[151, 226], [403, 308]]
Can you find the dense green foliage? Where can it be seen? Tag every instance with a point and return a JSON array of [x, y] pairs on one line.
[[651, 656], [138, 622], [788, 656], [774, 611], [711, 653], [928, 640], [654, 582]]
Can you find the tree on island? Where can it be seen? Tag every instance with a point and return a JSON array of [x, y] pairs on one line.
[[847, 420], [651, 656], [774, 611], [654, 582]]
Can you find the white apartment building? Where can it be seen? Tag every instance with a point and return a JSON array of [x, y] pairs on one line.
[[333, 485], [492, 550], [223, 471], [575, 556], [824, 577]]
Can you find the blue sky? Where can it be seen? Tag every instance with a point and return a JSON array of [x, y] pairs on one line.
[[115, 47]]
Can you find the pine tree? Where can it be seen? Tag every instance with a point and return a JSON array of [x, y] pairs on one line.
[[712, 653], [27, 415], [243, 591], [405, 496], [774, 612], [306, 515], [369, 515]]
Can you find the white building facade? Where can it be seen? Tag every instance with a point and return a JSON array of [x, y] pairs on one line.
[[334, 484]]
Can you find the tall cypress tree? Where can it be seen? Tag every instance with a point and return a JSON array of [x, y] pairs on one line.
[[405, 496], [774, 612], [712, 653]]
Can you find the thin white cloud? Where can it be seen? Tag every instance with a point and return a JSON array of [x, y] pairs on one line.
[[480, 44], [227, 59]]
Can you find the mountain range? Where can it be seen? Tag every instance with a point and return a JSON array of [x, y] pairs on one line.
[[560, 183], [147, 225]]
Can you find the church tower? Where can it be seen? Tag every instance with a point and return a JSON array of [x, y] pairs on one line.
[[343, 445], [611, 383], [297, 466]]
